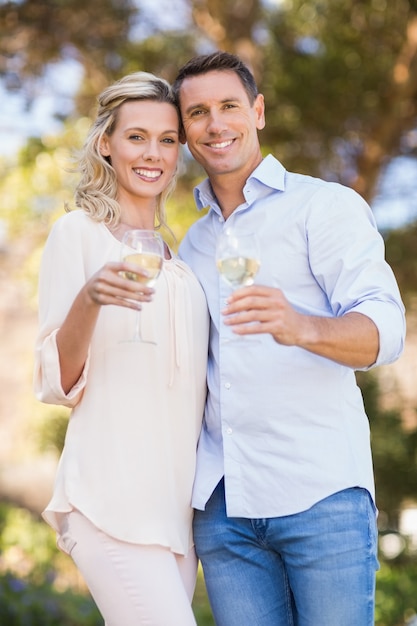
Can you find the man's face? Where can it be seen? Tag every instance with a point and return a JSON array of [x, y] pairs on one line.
[[220, 123]]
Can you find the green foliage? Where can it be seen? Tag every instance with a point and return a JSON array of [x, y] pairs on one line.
[[27, 545], [34, 35], [51, 428], [201, 605], [39, 585], [35, 190], [322, 84], [36, 579], [396, 599], [394, 452], [27, 603], [401, 246], [315, 60]]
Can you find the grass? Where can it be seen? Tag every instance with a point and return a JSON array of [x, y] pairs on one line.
[[201, 605]]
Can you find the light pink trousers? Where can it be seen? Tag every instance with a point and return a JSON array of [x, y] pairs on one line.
[[132, 585]]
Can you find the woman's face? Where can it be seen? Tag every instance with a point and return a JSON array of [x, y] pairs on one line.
[[143, 148]]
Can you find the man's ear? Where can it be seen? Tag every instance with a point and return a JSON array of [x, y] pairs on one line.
[[259, 107]]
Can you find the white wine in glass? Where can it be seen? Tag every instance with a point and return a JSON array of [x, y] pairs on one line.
[[238, 258], [144, 248]]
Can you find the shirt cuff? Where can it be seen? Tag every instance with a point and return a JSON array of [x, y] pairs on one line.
[[389, 319]]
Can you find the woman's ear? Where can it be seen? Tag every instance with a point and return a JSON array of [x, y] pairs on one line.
[[104, 146]]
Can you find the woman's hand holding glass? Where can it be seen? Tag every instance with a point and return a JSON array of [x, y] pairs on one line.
[[145, 250]]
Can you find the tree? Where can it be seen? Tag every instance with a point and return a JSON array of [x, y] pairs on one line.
[[36, 33], [345, 87], [394, 452], [340, 78]]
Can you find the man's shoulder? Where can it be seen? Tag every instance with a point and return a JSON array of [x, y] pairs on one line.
[[314, 183], [199, 226], [196, 239]]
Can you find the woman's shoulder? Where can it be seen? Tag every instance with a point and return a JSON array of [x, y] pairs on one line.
[[74, 218], [75, 223]]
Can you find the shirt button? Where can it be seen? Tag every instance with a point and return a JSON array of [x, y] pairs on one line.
[[227, 385], [229, 431]]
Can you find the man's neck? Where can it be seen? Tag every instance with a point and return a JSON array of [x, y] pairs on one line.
[[229, 193], [228, 188]]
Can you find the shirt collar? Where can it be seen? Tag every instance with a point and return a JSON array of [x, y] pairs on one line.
[[270, 173]]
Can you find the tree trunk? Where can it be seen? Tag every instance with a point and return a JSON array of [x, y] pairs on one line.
[[397, 117], [229, 25]]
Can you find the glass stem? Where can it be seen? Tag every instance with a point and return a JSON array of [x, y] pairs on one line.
[[137, 336]]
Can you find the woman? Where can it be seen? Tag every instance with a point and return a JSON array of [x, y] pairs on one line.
[[121, 503]]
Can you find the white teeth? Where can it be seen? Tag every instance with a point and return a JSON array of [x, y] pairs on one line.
[[223, 144], [148, 173]]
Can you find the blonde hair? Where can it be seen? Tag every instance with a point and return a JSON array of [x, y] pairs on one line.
[[96, 192]]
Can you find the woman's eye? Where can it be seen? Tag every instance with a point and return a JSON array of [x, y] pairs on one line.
[[168, 140]]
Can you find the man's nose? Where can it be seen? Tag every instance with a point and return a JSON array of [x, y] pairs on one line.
[[216, 123]]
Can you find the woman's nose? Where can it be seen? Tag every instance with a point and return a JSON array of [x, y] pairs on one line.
[[152, 151]]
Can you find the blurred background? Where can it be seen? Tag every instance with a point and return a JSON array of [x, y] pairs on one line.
[[340, 83]]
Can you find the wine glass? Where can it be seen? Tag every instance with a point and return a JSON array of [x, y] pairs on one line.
[[238, 257], [145, 248]]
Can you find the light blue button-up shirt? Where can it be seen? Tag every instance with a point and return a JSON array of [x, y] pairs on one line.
[[286, 427]]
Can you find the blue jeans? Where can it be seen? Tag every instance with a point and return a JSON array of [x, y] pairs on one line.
[[315, 568]]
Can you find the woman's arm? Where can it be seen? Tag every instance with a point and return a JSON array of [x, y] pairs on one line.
[[107, 286]]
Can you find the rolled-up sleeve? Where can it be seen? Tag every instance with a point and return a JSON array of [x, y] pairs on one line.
[[348, 261], [389, 319], [47, 375], [61, 277]]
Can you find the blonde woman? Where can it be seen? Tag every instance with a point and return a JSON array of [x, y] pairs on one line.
[[121, 502]]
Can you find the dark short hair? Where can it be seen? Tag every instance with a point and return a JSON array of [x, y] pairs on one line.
[[217, 61]]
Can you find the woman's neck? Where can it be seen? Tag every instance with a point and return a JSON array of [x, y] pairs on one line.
[[118, 230], [137, 212]]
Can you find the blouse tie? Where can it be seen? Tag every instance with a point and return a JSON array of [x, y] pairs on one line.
[[178, 304]]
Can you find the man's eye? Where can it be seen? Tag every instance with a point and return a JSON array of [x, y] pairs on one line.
[[197, 112]]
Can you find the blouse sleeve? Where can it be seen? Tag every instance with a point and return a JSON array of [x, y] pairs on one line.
[[61, 277]]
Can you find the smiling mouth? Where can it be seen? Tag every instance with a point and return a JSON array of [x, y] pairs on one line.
[[150, 174], [221, 144]]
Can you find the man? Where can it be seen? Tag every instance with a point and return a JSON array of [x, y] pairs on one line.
[[285, 520]]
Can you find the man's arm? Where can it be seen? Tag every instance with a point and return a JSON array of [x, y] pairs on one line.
[[352, 340]]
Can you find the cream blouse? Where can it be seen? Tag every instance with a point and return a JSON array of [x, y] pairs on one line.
[[129, 457]]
